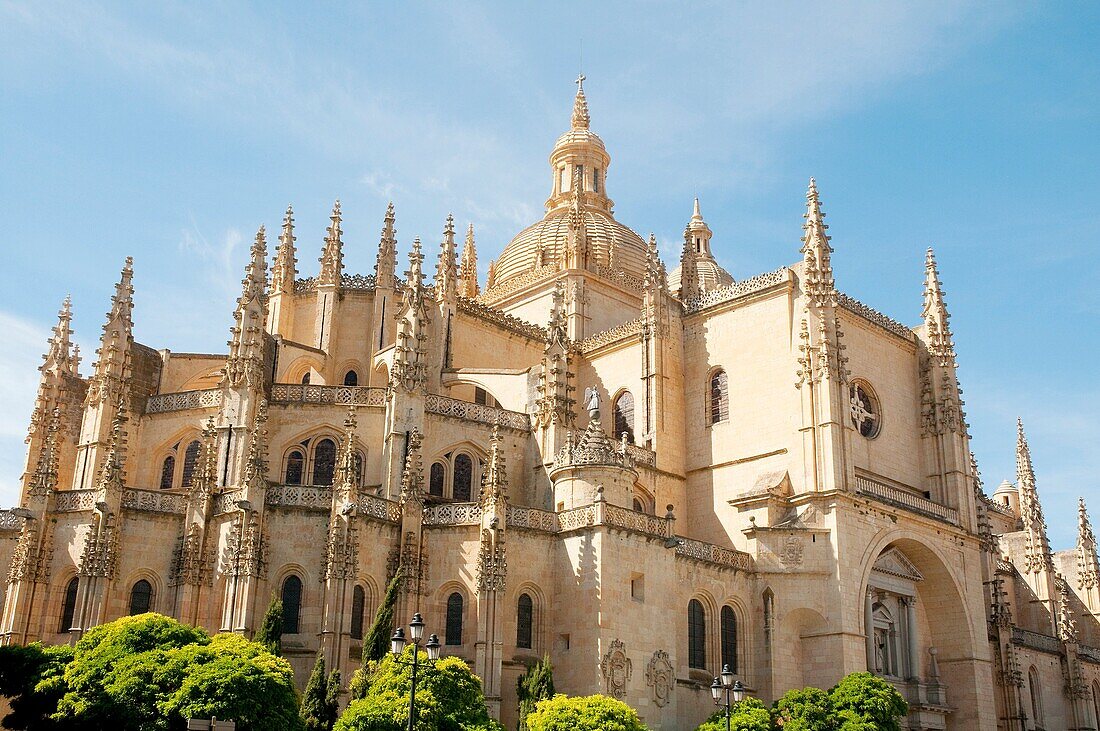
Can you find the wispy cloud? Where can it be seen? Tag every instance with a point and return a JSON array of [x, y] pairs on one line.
[[24, 343]]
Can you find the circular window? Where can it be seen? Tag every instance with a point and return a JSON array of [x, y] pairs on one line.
[[866, 413]]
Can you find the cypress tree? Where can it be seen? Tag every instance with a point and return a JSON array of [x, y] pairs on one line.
[[377, 644], [270, 634], [533, 686], [332, 698], [314, 711]]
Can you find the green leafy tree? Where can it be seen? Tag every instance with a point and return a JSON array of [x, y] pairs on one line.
[[270, 634], [748, 715], [587, 713], [332, 698], [535, 685], [315, 712], [805, 709], [865, 702], [377, 643], [31, 678], [150, 673], [448, 698]]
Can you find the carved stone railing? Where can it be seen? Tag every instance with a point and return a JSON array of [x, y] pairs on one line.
[[737, 290], [154, 501], [534, 519], [74, 501], [874, 316], [906, 500], [520, 280], [577, 518], [1036, 641], [183, 400], [361, 282], [619, 276], [641, 455], [306, 285], [632, 520], [710, 553], [379, 508], [501, 319], [300, 496], [997, 507], [226, 502], [615, 334], [468, 411], [10, 521], [453, 514], [295, 393]]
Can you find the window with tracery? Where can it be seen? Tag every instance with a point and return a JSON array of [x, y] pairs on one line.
[[462, 485], [295, 466], [190, 459], [358, 607], [168, 473], [624, 416], [292, 604], [525, 620], [324, 462], [697, 635], [68, 606], [729, 638], [141, 597], [454, 620], [436, 479], [719, 397], [865, 411]]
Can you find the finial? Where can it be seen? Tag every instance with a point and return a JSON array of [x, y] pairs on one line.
[[581, 118], [697, 215]]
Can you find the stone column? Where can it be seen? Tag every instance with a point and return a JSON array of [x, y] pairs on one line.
[[911, 630], [869, 628]]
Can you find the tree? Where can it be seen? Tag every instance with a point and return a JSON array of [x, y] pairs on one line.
[[448, 698], [587, 713], [805, 709], [535, 685], [270, 634], [30, 676], [150, 673], [315, 708], [863, 702], [749, 714], [332, 698], [377, 644]]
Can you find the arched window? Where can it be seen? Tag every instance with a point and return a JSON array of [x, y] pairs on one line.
[[68, 606], [141, 598], [729, 638], [525, 620], [454, 620], [190, 459], [638, 506], [167, 473], [697, 635], [1036, 696], [461, 489], [351, 378], [435, 481], [305, 379], [292, 604], [324, 462], [624, 416], [295, 465], [719, 397], [358, 606]]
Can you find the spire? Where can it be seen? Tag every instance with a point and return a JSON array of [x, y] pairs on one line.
[[936, 319], [467, 270], [114, 347], [245, 363], [689, 270], [581, 119], [255, 470], [1037, 549], [414, 275], [446, 272], [1067, 625], [412, 479], [494, 483], [284, 270], [654, 269], [347, 468], [491, 275], [817, 270], [45, 473], [696, 214], [386, 263], [1088, 567], [61, 357], [332, 256]]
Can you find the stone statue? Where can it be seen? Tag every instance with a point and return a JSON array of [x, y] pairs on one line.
[[592, 402]]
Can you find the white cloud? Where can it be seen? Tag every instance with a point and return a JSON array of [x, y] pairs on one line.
[[24, 343]]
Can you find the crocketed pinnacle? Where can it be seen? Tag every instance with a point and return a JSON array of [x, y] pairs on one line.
[[581, 119], [45, 474], [206, 476], [386, 263], [689, 269], [494, 483], [467, 270], [412, 479], [61, 356], [255, 274], [817, 271], [110, 473], [654, 276], [284, 270], [255, 472], [937, 322], [1088, 567], [1031, 511], [446, 271], [245, 361], [332, 256], [347, 469], [114, 347], [414, 275]]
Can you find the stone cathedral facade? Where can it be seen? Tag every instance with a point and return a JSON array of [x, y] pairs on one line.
[[643, 474]]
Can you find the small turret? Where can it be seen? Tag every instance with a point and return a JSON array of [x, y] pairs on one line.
[[467, 270], [284, 270], [1038, 556], [689, 272], [817, 263], [936, 320], [111, 367], [446, 273], [386, 263], [245, 364], [332, 256]]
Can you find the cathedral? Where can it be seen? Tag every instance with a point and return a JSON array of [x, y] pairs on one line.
[[643, 474]]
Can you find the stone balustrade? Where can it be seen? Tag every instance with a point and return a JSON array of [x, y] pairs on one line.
[[521, 518], [226, 502], [75, 501], [906, 500], [302, 393], [300, 496], [379, 508], [1036, 641], [154, 501], [183, 400], [710, 553], [468, 411], [10, 521], [641, 455], [453, 514]]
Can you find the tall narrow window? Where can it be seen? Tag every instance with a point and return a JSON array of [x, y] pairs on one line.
[[324, 462], [68, 608], [525, 619], [435, 481], [464, 478], [697, 635], [292, 604], [595, 180], [358, 606], [480, 396], [624, 416], [141, 597], [729, 638], [167, 473], [1036, 696], [190, 459], [351, 378], [305, 379], [454, 619], [638, 506], [719, 397], [295, 464]]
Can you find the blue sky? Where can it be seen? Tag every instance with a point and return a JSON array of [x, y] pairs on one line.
[[171, 131]]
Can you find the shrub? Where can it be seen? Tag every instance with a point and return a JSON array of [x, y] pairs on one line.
[[864, 701], [587, 713], [749, 715], [805, 709]]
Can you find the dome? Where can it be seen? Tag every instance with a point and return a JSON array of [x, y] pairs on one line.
[[578, 195], [711, 276]]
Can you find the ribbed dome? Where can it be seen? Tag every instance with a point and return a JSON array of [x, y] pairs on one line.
[[711, 276]]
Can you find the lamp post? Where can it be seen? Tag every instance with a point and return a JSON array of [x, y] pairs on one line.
[[734, 691], [397, 647]]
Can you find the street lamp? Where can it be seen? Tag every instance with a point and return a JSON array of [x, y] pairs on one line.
[[734, 691], [397, 647]]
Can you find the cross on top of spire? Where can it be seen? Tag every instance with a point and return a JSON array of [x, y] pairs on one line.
[[581, 119]]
